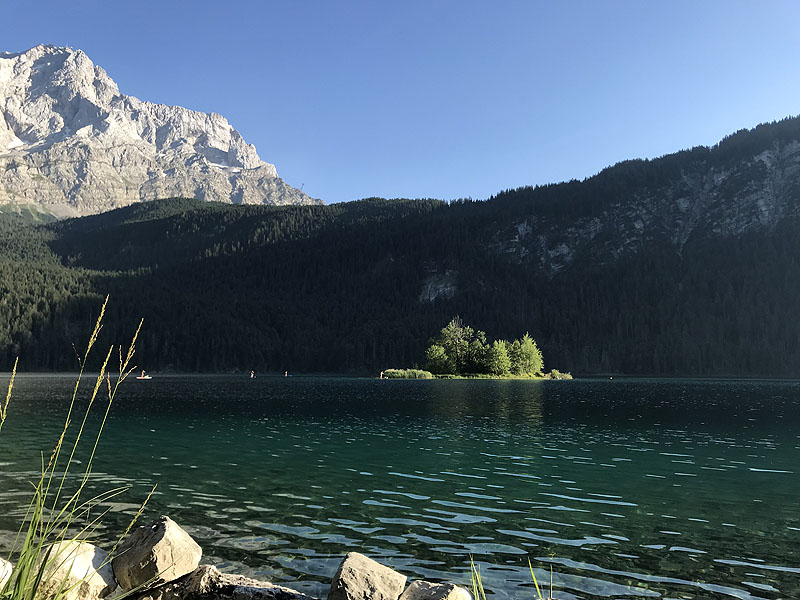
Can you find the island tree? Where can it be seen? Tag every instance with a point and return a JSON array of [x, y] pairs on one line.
[[461, 350]]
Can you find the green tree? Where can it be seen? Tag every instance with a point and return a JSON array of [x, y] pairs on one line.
[[515, 356], [436, 360], [455, 338], [476, 359], [497, 360], [530, 357]]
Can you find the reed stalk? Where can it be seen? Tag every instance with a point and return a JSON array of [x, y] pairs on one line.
[[55, 514], [479, 592]]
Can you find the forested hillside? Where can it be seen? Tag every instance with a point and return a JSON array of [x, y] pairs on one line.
[[684, 265]]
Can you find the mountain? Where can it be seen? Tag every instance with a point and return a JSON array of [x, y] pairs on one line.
[[72, 144], [749, 182], [684, 265]]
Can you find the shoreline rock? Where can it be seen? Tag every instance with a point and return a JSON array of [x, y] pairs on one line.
[[361, 577], [160, 561], [207, 582], [5, 571], [425, 590], [79, 569], [155, 554]]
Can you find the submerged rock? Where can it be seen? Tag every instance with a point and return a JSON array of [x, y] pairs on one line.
[[207, 583], [361, 578], [80, 569], [155, 554]]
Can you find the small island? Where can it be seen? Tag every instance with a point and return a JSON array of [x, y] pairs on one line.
[[459, 351]]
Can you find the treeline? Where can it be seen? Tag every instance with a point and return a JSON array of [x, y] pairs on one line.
[[356, 286], [460, 350], [346, 297]]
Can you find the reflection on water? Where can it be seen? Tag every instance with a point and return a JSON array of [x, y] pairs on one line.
[[627, 488]]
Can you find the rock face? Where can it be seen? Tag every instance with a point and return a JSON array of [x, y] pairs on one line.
[[81, 568], [425, 590], [710, 195], [207, 582], [73, 144], [361, 578], [155, 554]]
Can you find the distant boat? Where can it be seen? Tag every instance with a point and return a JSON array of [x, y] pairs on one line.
[[144, 375]]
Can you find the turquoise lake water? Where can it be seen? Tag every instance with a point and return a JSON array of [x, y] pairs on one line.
[[626, 488]]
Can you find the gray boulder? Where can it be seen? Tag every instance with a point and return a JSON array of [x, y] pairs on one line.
[[79, 568], [206, 583], [361, 578], [425, 590], [155, 554]]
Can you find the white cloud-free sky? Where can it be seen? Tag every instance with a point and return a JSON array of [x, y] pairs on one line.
[[442, 98]]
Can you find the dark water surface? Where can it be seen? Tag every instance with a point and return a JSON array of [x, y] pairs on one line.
[[628, 489]]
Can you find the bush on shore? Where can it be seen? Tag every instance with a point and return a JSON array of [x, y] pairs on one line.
[[556, 374], [407, 374]]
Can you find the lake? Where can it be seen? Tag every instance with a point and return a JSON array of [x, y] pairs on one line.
[[626, 488]]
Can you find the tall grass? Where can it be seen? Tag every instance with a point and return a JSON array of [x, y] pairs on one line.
[[56, 512], [4, 405]]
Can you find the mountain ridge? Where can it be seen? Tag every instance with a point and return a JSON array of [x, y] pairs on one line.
[[673, 196], [72, 143]]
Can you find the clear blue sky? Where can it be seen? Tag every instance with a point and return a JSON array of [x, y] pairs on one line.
[[442, 98]]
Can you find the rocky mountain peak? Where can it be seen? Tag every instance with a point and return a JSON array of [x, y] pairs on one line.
[[73, 144]]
